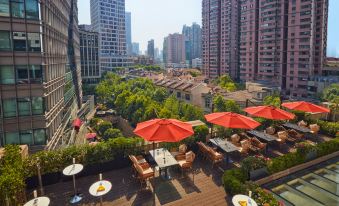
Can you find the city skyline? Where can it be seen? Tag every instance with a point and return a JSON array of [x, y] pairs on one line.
[[188, 12]]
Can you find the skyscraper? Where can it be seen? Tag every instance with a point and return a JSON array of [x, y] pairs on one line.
[[135, 49], [192, 41], [280, 41], [174, 49], [150, 48], [89, 52], [128, 25], [108, 19], [40, 82], [220, 35]]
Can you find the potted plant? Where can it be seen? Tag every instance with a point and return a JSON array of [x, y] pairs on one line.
[[307, 149], [256, 166]]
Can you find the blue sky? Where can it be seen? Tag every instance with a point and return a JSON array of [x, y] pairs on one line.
[[157, 18]]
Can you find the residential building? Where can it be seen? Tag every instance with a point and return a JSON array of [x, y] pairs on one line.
[[197, 63], [128, 25], [220, 38], [40, 80], [89, 52], [281, 41], [135, 49], [174, 49], [193, 36], [150, 48], [143, 60], [108, 19]]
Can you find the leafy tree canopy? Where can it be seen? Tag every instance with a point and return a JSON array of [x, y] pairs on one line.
[[226, 83]]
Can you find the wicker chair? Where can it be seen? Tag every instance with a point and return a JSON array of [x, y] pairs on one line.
[[270, 130], [203, 150], [294, 134], [302, 123], [186, 162], [144, 173], [285, 136], [315, 129], [235, 139], [245, 147], [257, 146], [214, 156]]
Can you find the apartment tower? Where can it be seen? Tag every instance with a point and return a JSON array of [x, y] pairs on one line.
[[40, 82], [150, 49], [108, 19], [174, 49]]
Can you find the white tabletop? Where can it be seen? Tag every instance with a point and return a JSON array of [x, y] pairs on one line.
[[94, 187], [73, 169], [237, 198], [40, 201], [163, 157]]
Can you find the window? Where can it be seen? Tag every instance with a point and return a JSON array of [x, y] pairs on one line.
[[178, 95], [7, 75], [187, 97], [35, 74], [22, 75], [9, 107], [19, 41], [32, 9], [24, 106], [37, 106], [33, 42], [5, 39], [4, 8], [18, 8], [39, 137], [26, 137], [12, 138]]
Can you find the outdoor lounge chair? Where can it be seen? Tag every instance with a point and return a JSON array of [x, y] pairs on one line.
[[235, 139], [315, 129], [270, 130], [214, 156], [302, 123], [245, 147], [186, 161], [257, 146], [282, 138], [294, 134], [138, 160], [179, 151], [284, 135], [203, 150], [144, 173]]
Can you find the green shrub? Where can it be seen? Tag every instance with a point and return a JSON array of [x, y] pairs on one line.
[[326, 148], [105, 125], [94, 122], [252, 163], [112, 133], [263, 197], [284, 162], [328, 128], [233, 181]]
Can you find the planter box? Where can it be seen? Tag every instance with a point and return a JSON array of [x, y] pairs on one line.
[[47, 179], [311, 155], [258, 173]]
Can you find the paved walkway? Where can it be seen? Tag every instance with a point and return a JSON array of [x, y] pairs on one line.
[[205, 190]]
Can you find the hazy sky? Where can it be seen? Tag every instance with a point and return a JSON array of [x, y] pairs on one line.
[[157, 18]]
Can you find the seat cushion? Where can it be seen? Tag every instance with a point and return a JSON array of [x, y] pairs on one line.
[[147, 171], [181, 162], [189, 156]]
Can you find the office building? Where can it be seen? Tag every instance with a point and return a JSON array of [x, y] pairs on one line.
[[280, 41], [174, 49], [135, 49], [192, 41], [108, 19], [40, 80], [197, 63], [128, 26], [150, 48], [89, 52]]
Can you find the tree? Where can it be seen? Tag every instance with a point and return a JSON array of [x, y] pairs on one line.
[[226, 83], [103, 127], [222, 105], [334, 106], [112, 133], [200, 133], [331, 92], [273, 100], [160, 94]]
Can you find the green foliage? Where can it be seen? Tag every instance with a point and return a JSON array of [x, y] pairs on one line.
[[12, 183], [112, 133], [94, 122], [57, 160], [226, 83], [200, 133], [273, 100], [103, 127], [331, 92], [263, 197], [233, 181], [88, 89], [328, 128], [252, 163], [222, 105]]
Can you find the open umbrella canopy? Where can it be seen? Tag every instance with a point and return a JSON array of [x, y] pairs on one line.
[[232, 120], [305, 107], [77, 122], [91, 135], [164, 130], [269, 112]]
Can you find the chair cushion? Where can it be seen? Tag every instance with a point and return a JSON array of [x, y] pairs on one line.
[[302, 123], [189, 156], [182, 148], [181, 162], [147, 171], [314, 128], [270, 130], [282, 135], [235, 138]]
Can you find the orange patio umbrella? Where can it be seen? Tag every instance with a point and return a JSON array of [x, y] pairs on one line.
[[91, 135], [232, 120], [305, 107], [164, 130], [269, 112]]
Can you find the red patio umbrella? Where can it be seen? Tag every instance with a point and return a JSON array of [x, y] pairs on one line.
[[232, 120], [164, 130], [91, 135], [77, 124], [269, 112], [305, 107]]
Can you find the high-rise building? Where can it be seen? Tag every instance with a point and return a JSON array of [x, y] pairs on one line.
[[128, 26], [192, 41], [220, 35], [174, 49], [40, 80], [135, 49], [280, 41], [89, 52], [150, 48], [108, 19]]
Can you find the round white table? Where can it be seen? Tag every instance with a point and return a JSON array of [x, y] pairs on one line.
[[93, 190], [39, 201], [237, 198], [72, 170]]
